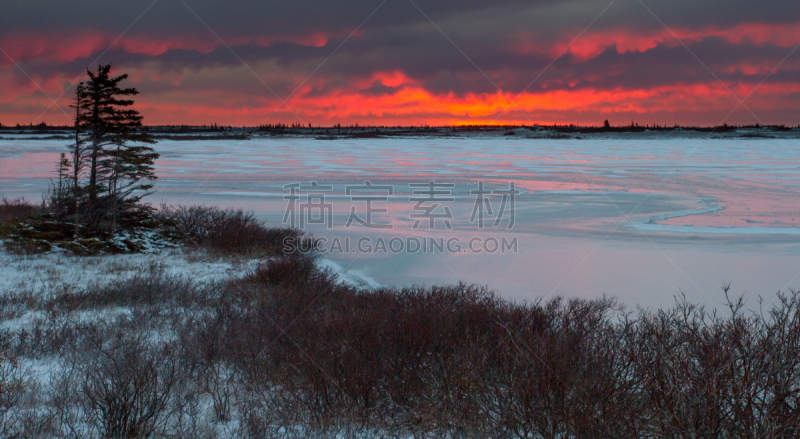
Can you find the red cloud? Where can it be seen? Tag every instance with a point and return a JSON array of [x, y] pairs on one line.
[[623, 40], [392, 79], [61, 48]]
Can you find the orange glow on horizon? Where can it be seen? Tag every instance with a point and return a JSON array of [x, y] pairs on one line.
[[413, 105]]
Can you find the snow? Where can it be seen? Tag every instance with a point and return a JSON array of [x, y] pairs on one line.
[[39, 274], [46, 275], [356, 278], [56, 271]]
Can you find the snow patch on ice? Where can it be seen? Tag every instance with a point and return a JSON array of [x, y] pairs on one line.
[[356, 278]]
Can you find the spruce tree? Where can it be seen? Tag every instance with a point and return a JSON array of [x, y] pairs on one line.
[[128, 172], [119, 172]]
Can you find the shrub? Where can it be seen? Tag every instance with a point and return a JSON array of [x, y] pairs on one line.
[[224, 231], [18, 209], [152, 288], [121, 385], [290, 351], [458, 361], [19, 238], [14, 384]]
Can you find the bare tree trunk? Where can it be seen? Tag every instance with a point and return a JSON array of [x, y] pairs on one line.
[[113, 193], [93, 169], [76, 163], [61, 178], [112, 190]]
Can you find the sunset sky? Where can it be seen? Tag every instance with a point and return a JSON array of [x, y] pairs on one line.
[[402, 62]]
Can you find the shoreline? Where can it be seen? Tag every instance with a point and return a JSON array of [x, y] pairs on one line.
[[188, 133]]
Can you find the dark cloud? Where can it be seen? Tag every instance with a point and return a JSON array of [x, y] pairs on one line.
[[172, 55]]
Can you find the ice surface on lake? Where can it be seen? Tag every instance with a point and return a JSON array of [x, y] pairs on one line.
[[638, 219]]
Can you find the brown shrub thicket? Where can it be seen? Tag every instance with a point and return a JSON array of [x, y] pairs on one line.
[[12, 214], [28, 229], [225, 231], [119, 385], [459, 361], [289, 351], [17, 209]]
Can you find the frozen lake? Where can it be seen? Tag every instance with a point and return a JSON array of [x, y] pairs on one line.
[[641, 220]]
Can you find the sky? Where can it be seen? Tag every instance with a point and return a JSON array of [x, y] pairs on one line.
[[410, 62]]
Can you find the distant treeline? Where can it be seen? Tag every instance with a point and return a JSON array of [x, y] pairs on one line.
[[43, 127], [298, 128]]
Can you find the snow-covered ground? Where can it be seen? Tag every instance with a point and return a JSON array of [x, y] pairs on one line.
[[58, 271], [44, 277], [42, 273], [31, 287]]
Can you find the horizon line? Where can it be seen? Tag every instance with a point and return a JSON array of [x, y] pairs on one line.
[[213, 125]]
